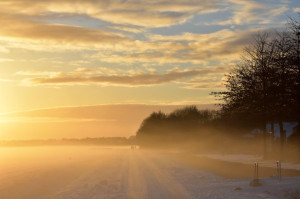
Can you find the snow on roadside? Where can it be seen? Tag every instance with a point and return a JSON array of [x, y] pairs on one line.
[[249, 159]]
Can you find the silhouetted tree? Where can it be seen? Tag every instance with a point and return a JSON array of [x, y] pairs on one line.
[[294, 26], [284, 82], [265, 85], [250, 84]]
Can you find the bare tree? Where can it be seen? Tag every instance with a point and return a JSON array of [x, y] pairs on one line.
[[294, 26], [284, 81], [250, 84]]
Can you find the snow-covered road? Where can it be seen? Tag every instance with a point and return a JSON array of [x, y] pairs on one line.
[[91, 173]]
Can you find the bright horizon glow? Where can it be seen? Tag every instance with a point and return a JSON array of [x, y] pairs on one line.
[[80, 121], [82, 53]]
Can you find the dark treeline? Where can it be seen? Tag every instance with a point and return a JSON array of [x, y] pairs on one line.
[[70, 141], [181, 125], [191, 129], [263, 88]]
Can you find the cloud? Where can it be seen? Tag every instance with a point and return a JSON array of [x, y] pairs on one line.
[[296, 9], [103, 112], [5, 60], [20, 120], [184, 48], [3, 49], [244, 11], [142, 13], [201, 86], [127, 28], [25, 30], [16, 27], [210, 81], [5, 80], [138, 79], [262, 12], [36, 73], [149, 14]]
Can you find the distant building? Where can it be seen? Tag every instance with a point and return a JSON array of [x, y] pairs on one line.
[[287, 126]]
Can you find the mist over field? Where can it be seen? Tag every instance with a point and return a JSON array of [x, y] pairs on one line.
[[120, 172]]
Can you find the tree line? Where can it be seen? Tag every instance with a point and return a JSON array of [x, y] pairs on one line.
[[161, 129]]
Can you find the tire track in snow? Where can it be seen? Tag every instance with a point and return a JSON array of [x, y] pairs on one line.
[[149, 179], [136, 182]]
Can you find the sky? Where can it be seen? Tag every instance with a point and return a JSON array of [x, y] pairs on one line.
[[78, 53]]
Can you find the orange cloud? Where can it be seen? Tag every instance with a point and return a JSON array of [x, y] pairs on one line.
[[141, 13], [16, 27], [138, 79], [184, 48]]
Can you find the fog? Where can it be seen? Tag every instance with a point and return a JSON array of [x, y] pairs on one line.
[[42, 172], [120, 172]]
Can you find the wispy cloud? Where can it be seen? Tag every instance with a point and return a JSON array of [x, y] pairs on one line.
[[5, 80], [5, 60], [127, 28], [206, 82], [3, 49], [17, 27], [20, 120], [139, 79], [36, 73], [245, 12], [184, 48], [296, 9], [141, 13]]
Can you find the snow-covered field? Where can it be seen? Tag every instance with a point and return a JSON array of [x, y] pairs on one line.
[[111, 172]]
